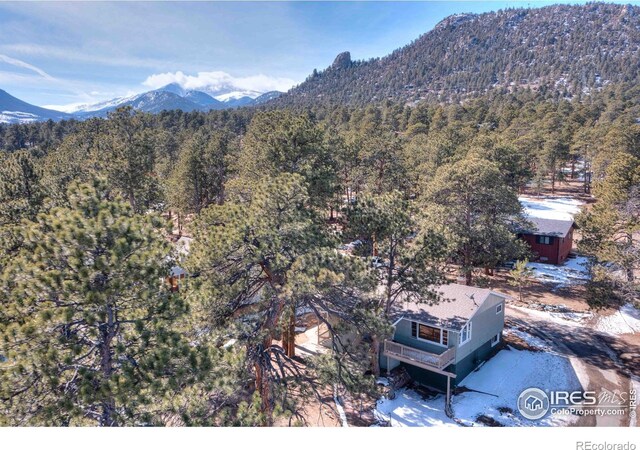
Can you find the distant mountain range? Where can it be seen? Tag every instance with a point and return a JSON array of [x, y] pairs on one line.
[[560, 51], [170, 97]]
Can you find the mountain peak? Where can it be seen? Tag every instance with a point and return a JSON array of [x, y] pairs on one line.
[[174, 88], [455, 20], [342, 61]]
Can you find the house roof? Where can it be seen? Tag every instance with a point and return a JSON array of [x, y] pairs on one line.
[[549, 227], [457, 305]]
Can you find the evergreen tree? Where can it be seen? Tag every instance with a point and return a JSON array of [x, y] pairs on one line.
[[260, 258], [282, 142], [477, 211], [87, 327], [610, 231]]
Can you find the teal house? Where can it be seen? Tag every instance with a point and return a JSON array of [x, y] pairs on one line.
[[440, 344]]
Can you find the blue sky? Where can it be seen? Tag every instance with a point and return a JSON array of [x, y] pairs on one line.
[[61, 53]]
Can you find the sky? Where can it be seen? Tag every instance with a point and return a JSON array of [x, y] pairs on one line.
[[58, 54]]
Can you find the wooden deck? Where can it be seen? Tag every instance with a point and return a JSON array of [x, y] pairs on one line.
[[430, 361]]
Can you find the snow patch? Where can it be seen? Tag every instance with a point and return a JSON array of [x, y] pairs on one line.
[[569, 319], [558, 208], [573, 271], [494, 391], [529, 339], [624, 321], [17, 117]]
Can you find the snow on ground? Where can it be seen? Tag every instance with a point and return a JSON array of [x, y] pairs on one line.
[[529, 339], [505, 376], [183, 245], [573, 271], [409, 409], [624, 321], [493, 392], [559, 208], [569, 319]]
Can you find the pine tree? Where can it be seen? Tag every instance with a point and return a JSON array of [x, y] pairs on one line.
[[476, 209], [610, 230], [521, 276], [87, 326], [282, 142], [259, 259], [409, 258], [126, 154]]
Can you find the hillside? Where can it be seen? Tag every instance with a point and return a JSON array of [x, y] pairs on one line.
[[14, 110], [562, 50]]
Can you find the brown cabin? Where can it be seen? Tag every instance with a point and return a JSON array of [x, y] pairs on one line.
[[551, 240]]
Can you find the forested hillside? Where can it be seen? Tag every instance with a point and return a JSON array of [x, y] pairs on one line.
[[89, 211], [560, 51]]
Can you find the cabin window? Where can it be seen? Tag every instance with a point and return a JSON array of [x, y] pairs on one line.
[[465, 333], [546, 240], [499, 308], [495, 340], [430, 334]]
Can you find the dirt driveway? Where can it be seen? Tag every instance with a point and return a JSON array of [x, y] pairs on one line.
[[593, 355]]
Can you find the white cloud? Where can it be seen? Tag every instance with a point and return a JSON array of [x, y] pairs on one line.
[[219, 81], [24, 65], [68, 108]]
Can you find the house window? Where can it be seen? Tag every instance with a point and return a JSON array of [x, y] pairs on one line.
[[546, 240], [495, 340], [465, 333], [430, 334], [499, 308]]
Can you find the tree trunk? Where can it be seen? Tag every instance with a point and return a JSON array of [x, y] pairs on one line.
[[264, 389], [630, 274], [289, 336], [107, 331], [375, 356]]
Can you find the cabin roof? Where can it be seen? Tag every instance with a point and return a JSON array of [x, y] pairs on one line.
[[548, 227], [458, 303]]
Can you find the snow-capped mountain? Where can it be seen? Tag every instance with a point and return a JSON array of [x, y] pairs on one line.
[[13, 110], [154, 102], [174, 96], [170, 97]]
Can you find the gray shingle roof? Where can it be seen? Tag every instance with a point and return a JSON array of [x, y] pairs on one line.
[[549, 227], [458, 303]]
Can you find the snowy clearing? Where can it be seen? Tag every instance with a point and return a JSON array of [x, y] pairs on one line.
[[573, 271], [494, 390], [558, 208], [624, 321]]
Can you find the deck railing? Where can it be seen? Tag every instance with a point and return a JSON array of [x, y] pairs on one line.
[[437, 361]]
